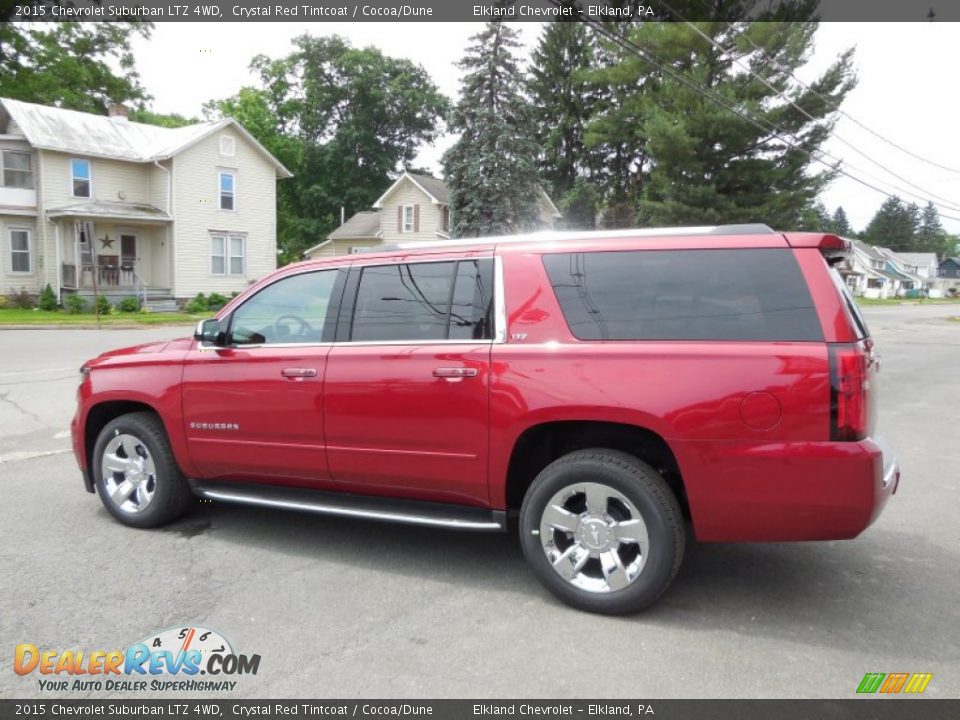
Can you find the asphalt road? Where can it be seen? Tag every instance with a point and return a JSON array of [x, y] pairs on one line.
[[350, 609]]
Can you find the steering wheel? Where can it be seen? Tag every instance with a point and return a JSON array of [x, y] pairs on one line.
[[282, 329]]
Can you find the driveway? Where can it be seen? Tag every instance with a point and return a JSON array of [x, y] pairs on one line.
[[351, 609]]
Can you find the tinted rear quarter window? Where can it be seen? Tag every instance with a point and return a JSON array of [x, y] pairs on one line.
[[749, 294], [857, 321]]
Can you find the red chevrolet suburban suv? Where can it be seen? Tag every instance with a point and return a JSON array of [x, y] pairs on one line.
[[600, 389]]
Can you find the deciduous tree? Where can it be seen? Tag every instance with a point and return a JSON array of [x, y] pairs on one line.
[[342, 119], [84, 66]]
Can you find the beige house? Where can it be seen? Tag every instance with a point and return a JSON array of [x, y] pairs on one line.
[[135, 210], [415, 207]]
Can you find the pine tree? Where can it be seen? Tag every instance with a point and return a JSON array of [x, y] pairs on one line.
[[492, 168], [703, 163], [930, 235], [561, 99], [839, 224], [815, 219], [894, 226]]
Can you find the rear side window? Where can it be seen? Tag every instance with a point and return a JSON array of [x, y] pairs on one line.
[[684, 295], [853, 310], [424, 301]]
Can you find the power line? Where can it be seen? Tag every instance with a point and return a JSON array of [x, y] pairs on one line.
[[836, 108], [771, 130], [782, 94]]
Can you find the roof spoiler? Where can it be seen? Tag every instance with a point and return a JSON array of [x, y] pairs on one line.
[[826, 243], [834, 248]]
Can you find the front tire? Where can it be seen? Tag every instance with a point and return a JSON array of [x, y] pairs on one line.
[[135, 473], [603, 531]]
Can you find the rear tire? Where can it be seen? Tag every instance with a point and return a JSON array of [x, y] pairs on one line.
[[603, 531], [135, 473]]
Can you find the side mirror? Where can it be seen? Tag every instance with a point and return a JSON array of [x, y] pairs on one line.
[[209, 332]]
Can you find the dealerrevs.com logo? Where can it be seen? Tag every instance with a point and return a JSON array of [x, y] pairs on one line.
[[171, 660]]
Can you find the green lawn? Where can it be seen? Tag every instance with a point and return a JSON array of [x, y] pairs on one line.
[[13, 316], [909, 301]]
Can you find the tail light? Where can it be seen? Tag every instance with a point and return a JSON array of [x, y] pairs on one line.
[[850, 369]]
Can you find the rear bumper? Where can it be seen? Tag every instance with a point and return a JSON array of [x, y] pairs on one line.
[[889, 477], [746, 492]]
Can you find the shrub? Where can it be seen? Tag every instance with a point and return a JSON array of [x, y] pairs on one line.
[[75, 305], [216, 301], [4, 301], [48, 300], [103, 305], [198, 304], [21, 299], [128, 305]]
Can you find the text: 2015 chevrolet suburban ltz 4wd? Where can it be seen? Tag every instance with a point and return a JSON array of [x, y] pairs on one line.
[[601, 387]]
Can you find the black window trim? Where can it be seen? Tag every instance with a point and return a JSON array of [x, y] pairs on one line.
[[348, 306], [333, 311]]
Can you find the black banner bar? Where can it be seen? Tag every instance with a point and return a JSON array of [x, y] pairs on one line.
[[458, 10], [206, 708]]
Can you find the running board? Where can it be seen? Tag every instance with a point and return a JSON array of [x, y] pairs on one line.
[[412, 512]]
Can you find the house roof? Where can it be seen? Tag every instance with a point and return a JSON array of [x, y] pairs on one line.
[[869, 250], [113, 210], [364, 224], [433, 187], [918, 259], [51, 128], [439, 193]]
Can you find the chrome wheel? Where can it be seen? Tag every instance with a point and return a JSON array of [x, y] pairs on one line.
[[594, 537], [129, 473]]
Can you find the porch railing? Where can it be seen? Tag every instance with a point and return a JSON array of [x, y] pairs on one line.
[[106, 276]]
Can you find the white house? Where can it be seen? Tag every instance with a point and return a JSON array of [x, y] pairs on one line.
[[415, 207], [133, 209], [878, 272]]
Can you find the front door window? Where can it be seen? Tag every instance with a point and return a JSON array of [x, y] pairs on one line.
[[128, 251]]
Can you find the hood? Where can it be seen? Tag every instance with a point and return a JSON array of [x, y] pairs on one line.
[[137, 352]]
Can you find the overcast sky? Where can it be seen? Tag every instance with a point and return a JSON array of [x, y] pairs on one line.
[[902, 93]]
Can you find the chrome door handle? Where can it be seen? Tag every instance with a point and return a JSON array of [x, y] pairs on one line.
[[299, 372], [453, 373]]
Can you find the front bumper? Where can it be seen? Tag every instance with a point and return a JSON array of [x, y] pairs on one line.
[[79, 450]]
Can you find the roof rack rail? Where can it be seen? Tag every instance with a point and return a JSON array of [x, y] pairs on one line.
[[562, 235], [744, 229]]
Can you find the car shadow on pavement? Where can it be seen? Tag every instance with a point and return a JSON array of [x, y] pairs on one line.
[[866, 594], [855, 594], [477, 559]]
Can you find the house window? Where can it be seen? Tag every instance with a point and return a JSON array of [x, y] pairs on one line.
[[80, 173], [408, 218], [228, 146], [445, 219], [21, 260], [17, 169], [228, 189], [227, 255]]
